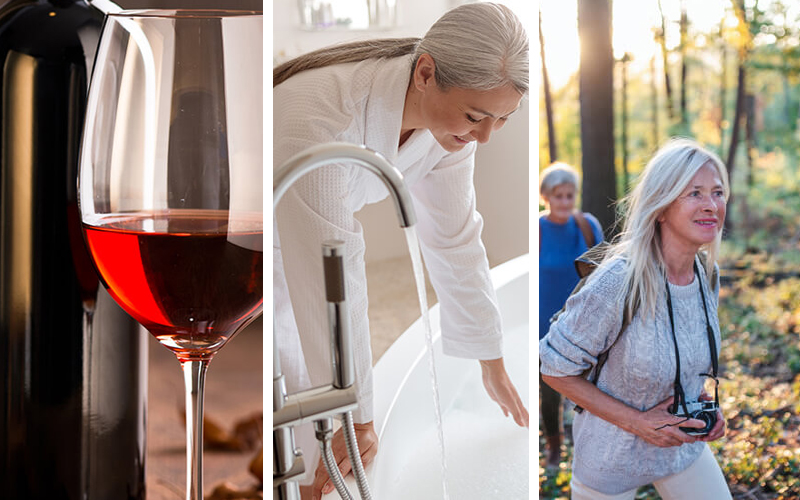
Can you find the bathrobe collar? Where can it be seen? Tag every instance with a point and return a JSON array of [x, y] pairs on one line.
[[384, 114], [384, 110]]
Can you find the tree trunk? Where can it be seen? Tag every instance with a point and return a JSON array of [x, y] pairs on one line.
[[787, 99], [548, 100], [723, 95], [684, 39], [749, 134], [625, 59], [654, 101], [737, 118], [596, 88], [662, 38]]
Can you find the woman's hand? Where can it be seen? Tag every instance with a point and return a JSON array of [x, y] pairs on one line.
[[502, 391], [367, 441], [659, 427], [719, 428]]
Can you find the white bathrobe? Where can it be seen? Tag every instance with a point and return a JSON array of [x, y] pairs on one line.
[[362, 103]]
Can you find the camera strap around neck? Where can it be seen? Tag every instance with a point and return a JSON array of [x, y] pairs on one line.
[[680, 397]]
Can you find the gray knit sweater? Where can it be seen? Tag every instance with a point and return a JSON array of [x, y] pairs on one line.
[[640, 372]]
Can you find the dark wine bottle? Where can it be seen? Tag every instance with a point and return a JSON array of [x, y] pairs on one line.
[[73, 365]]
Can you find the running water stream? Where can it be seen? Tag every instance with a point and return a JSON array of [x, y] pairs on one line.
[[419, 276]]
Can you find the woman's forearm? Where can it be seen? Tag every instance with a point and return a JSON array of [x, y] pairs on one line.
[[588, 396]]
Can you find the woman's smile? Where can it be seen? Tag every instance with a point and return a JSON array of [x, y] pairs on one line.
[[707, 223]]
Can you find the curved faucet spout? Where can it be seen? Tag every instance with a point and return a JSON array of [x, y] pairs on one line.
[[333, 152]]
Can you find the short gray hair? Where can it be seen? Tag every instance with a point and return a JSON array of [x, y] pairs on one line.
[[556, 174]]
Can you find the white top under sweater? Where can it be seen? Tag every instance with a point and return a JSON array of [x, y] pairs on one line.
[[640, 372], [362, 103]]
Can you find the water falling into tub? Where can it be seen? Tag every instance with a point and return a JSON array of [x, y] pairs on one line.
[[419, 277]]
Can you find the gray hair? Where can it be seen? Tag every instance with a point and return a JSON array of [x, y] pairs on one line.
[[477, 46], [661, 182], [480, 46], [556, 174]]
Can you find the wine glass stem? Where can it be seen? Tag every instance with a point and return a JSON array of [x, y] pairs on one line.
[[194, 376]]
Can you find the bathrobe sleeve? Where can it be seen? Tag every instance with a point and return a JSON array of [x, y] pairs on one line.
[[315, 209], [449, 229], [588, 326]]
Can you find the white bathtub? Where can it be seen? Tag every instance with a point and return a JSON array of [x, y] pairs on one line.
[[486, 453]]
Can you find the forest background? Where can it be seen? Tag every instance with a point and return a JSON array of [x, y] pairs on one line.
[[620, 78]]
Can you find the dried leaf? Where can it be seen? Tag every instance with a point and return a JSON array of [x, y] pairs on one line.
[[249, 431], [227, 491], [217, 438], [257, 466]]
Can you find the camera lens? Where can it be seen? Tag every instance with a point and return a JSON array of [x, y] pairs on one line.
[[707, 417]]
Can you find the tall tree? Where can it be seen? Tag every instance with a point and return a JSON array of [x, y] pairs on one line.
[[661, 37], [743, 47], [654, 102], [723, 88], [684, 28], [741, 82], [548, 99], [596, 89], [626, 58], [750, 134]]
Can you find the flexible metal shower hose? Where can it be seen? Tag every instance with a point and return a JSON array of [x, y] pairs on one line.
[[333, 470], [355, 456]]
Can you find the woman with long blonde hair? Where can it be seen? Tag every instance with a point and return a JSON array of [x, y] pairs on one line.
[[649, 310]]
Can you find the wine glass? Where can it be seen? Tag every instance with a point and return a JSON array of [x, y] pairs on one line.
[[170, 183]]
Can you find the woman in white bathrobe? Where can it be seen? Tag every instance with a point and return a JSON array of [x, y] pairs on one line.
[[424, 104]]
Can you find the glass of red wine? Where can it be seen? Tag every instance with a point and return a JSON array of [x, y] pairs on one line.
[[170, 183]]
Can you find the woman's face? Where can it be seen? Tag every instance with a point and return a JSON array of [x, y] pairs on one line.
[[560, 202], [697, 215], [458, 116]]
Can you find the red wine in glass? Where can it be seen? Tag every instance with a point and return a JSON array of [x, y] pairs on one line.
[[193, 278]]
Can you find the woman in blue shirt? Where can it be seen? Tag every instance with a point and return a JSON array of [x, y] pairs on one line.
[[564, 234]]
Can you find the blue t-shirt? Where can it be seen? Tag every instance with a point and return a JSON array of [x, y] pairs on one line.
[[561, 244]]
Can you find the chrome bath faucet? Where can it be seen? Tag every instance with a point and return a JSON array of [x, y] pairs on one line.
[[322, 403]]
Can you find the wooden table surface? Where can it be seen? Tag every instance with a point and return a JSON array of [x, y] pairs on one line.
[[234, 391]]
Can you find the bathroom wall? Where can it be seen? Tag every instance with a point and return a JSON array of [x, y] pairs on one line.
[[502, 165], [289, 39]]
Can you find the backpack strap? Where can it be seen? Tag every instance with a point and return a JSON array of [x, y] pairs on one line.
[[592, 374], [585, 227]]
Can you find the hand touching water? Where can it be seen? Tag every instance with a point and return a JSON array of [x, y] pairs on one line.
[[502, 390]]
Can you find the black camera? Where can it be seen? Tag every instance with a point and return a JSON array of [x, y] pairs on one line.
[[705, 411]]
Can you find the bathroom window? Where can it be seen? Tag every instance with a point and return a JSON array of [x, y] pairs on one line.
[[348, 14]]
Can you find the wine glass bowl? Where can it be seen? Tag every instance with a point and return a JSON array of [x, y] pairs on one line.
[[170, 183], [191, 279]]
